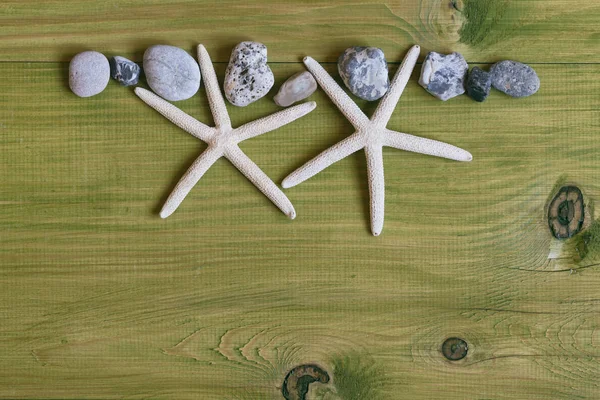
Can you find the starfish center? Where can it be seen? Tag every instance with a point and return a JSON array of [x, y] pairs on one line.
[[370, 133], [223, 138]]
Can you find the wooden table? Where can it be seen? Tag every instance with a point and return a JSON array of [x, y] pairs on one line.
[[102, 299]]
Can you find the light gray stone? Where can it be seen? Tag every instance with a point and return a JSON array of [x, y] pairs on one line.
[[444, 76], [514, 78], [171, 72], [124, 71], [247, 77], [364, 71], [89, 73], [297, 87]]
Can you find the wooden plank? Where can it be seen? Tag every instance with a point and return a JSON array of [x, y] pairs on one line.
[[483, 30], [102, 299]]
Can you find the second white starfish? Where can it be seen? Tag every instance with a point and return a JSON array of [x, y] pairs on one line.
[[371, 135], [223, 140]]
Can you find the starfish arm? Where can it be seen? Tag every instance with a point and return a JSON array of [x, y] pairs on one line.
[[213, 91], [339, 97], [273, 121], [255, 175], [376, 187], [175, 115], [416, 144], [332, 155], [189, 180], [386, 106]]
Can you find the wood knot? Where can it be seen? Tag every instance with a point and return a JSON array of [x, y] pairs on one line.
[[566, 212], [455, 349], [444, 20], [295, 385]]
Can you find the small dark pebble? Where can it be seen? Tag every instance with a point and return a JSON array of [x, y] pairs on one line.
[[479, 84], [124, 71]]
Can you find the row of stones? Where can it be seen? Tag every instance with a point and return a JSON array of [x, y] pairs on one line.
[[445, 77], [364, 71], [174, 75]]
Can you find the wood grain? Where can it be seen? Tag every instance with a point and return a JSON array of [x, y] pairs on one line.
[[100, 298], [483, 30], [104, 299]]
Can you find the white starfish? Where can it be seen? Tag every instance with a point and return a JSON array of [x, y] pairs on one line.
[[371, 135], [223, 140]]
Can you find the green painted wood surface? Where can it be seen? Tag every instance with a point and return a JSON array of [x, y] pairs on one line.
[[484, 30], [100, 298]]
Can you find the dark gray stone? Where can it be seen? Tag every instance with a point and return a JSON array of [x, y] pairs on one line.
[[247, 77], [479, 84], [444, 76], [364, 71], [89, 73], [124, 71], [171, 72], [514, 78]]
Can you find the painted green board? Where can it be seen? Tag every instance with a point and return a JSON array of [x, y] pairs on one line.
[[100, 298], [484, 30]]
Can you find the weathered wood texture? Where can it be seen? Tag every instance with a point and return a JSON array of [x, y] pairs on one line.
[[100, 298], [483, 30]]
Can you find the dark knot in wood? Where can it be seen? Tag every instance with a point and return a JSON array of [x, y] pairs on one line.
[[566, 212], [295, 385], [455, 349]]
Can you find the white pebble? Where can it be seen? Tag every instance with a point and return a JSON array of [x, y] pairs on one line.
[[171, 72], [89, 73], [297, 87]]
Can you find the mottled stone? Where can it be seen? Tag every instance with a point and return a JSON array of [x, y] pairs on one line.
[[247, 77], [444, 76], [364, 71], [171, 72], [124, 71], [89, 73], [296, 88], [479, 84], [514, 78]]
